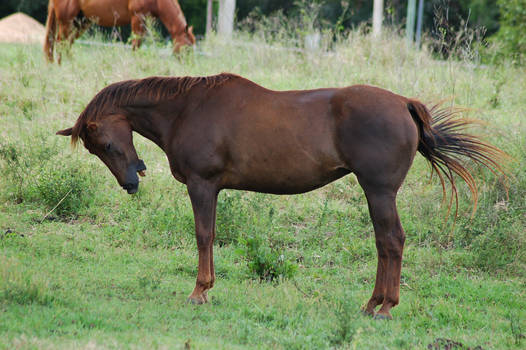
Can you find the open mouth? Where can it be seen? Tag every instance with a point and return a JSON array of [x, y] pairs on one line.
[[141, 168]]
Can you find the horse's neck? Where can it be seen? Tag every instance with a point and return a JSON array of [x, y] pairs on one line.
[[172, 17], [151, 124]]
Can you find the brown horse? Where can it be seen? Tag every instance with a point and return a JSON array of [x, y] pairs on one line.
[[73, 17], [225, 131]]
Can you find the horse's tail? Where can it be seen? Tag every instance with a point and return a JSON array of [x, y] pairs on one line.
[[444, 142], [51, 25]]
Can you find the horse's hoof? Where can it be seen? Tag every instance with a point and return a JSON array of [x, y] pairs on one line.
[[198, 299], [195, 301], [383, 316], [369, 313]]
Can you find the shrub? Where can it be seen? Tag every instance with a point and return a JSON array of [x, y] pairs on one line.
[[265, 262], [60, 184], [37, 173], [230, 214]]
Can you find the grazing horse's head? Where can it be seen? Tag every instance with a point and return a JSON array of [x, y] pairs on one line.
[[184, 38], [110, 139]]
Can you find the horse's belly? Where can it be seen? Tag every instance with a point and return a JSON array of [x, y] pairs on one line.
[[107, 13], [287, 185], [284, 176], [284, 156]]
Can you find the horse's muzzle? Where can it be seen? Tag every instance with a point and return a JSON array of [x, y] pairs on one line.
[[131, 187], [132, 180]]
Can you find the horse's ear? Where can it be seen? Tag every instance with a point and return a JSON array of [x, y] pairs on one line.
[[92, 127], [191, 30], [65, 132]]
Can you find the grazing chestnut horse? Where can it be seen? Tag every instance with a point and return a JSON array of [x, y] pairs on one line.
[[73, 17], [225, 131]]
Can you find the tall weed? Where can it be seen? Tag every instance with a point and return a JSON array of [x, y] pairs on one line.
[[265, 262]]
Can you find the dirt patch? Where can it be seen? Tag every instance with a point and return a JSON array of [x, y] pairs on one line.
[[448, 344], [20, 28]]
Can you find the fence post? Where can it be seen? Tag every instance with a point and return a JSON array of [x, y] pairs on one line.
[[209, 17], [410, 21], [378, 9], [225, 20], [419, 22]]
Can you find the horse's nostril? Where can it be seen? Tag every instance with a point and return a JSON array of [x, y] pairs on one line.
[[131, 188]]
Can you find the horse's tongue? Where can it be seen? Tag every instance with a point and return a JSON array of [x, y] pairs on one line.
[[142, 173]]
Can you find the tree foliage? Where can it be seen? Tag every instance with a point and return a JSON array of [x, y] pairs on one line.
[[480, 12], [455, 15], [512, 30], [35, 8]]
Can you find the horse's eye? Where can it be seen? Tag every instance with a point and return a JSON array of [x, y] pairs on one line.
[[108, 147]]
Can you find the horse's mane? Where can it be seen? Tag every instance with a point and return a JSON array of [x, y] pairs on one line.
[[143, 92]]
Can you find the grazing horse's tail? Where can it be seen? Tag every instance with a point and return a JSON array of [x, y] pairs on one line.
[[443, 142], [51, 25]]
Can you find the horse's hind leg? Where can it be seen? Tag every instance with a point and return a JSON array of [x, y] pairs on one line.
[[65, 13], [377, 138], [390, 239], [63, 38]]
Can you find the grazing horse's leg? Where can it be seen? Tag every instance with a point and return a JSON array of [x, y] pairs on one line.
[[390, 240], [137, 26], [81, 25], [204, 199], [51, 24], [63, 37]]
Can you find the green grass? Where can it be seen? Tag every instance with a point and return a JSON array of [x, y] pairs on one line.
[[109, 270]]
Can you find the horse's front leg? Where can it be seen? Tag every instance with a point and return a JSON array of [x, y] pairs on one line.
[[204, 199], [80, 27], [138, 29]]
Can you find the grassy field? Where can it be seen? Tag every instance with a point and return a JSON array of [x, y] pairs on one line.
[[109, 270]]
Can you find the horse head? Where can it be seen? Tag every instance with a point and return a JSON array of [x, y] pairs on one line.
[[110, 139], [184, 38]]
